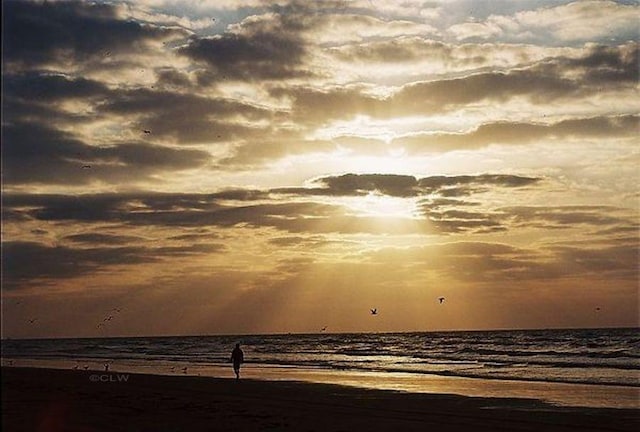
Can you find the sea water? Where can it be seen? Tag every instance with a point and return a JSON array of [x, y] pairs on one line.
[[601, 359]]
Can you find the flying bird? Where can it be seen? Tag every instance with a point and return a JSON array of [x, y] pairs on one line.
[[374, 311], [441, 299]]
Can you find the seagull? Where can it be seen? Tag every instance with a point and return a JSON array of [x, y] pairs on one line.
[[184, 369], [597, 309], [75, 367], [86, 166], [374, 311], [86, 367], [324, 328], [441, 299], [147, 131], [31, 321]]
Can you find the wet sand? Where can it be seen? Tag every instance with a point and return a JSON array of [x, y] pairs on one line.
[[36, 399]]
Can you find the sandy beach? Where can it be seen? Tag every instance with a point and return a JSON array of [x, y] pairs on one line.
[[36, 399]]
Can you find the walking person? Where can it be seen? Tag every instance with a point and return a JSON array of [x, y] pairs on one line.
[[237, 358]]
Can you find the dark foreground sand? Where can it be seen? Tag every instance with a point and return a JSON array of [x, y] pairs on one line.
[[61, 400]]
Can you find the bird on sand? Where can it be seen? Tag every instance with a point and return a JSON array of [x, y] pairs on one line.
[[374, 311], [147, 131], [324, 328], [86, 166], [441, 299]]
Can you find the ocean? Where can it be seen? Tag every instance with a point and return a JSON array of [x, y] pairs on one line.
[[599, 357]]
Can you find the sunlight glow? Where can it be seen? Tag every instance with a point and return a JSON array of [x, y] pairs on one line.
[[382, 206]]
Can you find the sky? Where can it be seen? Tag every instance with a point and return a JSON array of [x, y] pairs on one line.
[[234, 167]]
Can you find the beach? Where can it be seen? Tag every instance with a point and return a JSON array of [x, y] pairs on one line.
[[39, 399]]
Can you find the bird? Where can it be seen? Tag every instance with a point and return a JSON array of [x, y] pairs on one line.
[[597, 309], [374, 311], [86, 166], [31, 321], [184, 370], [324, 328], [106, 367], [86, 367], [441, 299], [147, 131], [75, 367]]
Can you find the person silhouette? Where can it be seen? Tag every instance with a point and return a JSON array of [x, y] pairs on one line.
[[237, 358]]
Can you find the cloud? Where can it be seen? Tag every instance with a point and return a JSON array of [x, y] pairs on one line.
[[65, 25], [32, 153], [573, 22], [98, 238], [187, 118], [497, 262], [521, 133], [408, 186], [24, 263], [266, 47], [600, 69]]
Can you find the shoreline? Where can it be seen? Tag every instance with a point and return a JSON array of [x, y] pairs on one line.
[[78, 401], [554, 393]]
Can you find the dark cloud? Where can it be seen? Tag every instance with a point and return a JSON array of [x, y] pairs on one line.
[[48, 87], [38, 33], [25, 263], [188, 118], [98, 238], [268, 47], [409, 186], [445, 210], [387, 184], [32, 153], [600, 69], [522, 133]]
